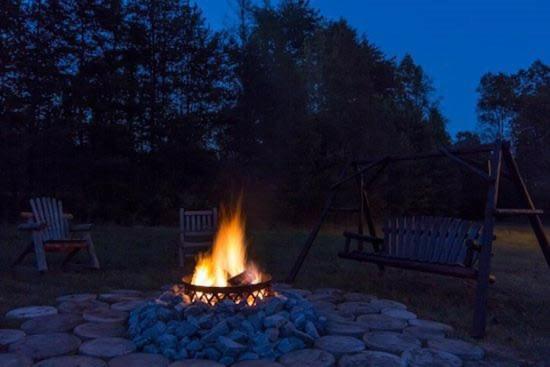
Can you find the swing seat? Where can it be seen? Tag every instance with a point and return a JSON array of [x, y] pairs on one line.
[[439, 245]]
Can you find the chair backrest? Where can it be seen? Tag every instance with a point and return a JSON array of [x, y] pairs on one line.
[[198, 222], [429, 239], [50, 212]]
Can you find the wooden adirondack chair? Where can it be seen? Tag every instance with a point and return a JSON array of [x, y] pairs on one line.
[[197, 230], [51, 231]]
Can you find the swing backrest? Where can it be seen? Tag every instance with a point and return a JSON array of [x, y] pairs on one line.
[[441, 240]]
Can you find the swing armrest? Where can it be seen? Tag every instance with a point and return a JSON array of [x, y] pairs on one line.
[[81, 227], [31, 226]]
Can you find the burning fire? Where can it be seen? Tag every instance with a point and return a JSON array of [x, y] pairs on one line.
[[227, 264]]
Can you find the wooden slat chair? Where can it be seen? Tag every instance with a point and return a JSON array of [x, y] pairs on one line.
[[52, 231], [197, 230], [438, 245]]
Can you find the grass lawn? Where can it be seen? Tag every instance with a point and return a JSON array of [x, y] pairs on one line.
[[145, 258]]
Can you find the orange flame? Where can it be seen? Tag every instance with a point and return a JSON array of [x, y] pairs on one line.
[[228, 255]]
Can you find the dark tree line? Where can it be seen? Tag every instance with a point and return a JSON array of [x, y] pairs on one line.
[[129, 109]]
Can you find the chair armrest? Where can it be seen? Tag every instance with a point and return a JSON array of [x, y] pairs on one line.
[[81, 227], [31, 226]]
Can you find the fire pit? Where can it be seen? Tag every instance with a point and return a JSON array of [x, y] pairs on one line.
[[249, 293], [225, 273], [226, 310]]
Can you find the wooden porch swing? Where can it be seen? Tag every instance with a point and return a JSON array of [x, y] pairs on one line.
[[441, 245]]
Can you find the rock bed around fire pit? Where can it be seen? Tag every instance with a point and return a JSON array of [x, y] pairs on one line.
[[226, 332], [389, 336]]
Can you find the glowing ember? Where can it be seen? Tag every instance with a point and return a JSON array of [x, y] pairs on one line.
[[226, 264]]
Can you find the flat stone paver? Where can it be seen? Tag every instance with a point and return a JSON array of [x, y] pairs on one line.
[[358, 308], [334, 315], [387, 303], [127, 306], [10, 336], [370, 358], [258, 363], [81, 307], [140, 360], [338, 345], [399, 313], [308, 358], [358, 297], [93, 330], [350, 328], [82, 297], [105, 315], [30, 312], [430, 357], [196, 363], [117, 297], [14, 360], [72, 361], [423, 333], [382, 322], [301, 292], [51, 324], [314, 297], [429, 324], [460, 348], [46, 345], [387, 341], [323, 305], [128, 292], [107, 347]]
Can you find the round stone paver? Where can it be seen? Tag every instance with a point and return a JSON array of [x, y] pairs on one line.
[[334, 315], [196, 363], [140, 360], [350, 328], [117, 297], [387, 341], [51, 324], [10, 336], [387, 303], [423, 333], [14, 360], [308, 358], [71, 361], [81, 307], [300, 292], [78, 298], [429, 324], [370, 358], [339, 345], [358, 308], [399, 313], [128, 292], [258, 363], [358, 297], [46, 345], [427, 357], [460, 348], [107, 347], [105, 315], [323, 306], [127, 306], [382, 322], [93, 330], [30, 312]]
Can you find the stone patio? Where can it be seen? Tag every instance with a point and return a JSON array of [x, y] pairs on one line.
[[89, 330]]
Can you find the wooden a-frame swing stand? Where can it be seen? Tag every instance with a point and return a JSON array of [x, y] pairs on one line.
[[447, 246]]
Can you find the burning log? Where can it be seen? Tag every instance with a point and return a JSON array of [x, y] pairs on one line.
[[244, 278]]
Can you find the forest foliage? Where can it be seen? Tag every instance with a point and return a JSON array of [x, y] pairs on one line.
[[127, 110]]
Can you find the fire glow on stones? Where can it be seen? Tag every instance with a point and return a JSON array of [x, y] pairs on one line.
[[225, 272]]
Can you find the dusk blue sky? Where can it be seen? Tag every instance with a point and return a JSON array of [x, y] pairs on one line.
[[455, 41]]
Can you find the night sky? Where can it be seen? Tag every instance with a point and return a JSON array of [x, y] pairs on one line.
[[455, 41]]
